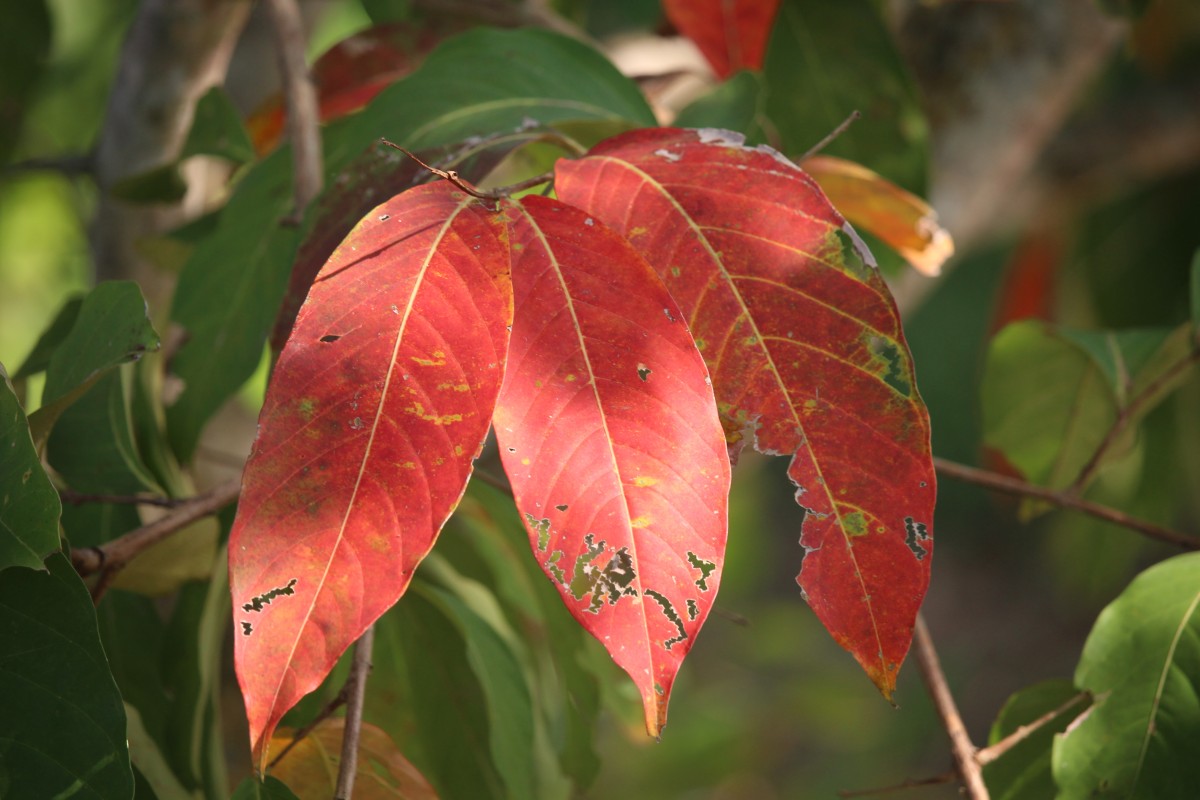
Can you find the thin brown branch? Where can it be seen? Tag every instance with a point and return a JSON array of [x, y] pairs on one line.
[[907, 783], [74, 498], [961, 746], [1126, 416], [829, 138], [990, 753], [356, 687], [303, 118], [71, 166], [302, 732], [111, 557], [1016, 486]]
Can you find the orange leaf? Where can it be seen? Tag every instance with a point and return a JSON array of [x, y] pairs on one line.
[[900, 219]]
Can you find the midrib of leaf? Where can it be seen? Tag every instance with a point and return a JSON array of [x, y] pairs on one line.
[[728, 279], [1162, 681], [362, 467], [607, 437], [476, 109]]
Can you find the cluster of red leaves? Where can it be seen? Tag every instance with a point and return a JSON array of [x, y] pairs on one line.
[[683, 295]]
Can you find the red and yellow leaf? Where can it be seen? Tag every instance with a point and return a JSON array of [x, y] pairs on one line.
[[310, 768], [732, 34], [378, 405], [807, 357], [901, 220], [609, 434]]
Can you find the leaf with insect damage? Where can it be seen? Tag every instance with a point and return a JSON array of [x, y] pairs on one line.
[[807, 357], [608, 431], [379, 404]]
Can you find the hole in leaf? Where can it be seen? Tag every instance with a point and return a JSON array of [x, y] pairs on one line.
[[247, 628], [669, 612], [542, 528], [915, 533], [643, 372], [706, 568], [330, 338], [563, 507], [264, 599]]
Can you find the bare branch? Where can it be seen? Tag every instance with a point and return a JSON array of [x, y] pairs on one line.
[[111, 557], [1003, 483], [960, 742], [356, 687], [301, 733], [82, 498], [907, 783], [303, 119], [830, 137], [989, 754]]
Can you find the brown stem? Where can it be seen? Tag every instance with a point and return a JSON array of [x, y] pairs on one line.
[[960, 742], [1125, 417], [989, 754], [303, 119], [1004, 483], [356, 687], [842, 127], [302, 732], [110, 558], [907, 783]]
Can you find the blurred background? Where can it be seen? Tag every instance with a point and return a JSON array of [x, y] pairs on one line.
[[1058, 141]]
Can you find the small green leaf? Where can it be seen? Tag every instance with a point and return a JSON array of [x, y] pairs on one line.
[[51, 338], [268, 789], [62, 723], [1141, 663], [29, 505], [814, 81], [1051, 395], [1023, 772], [217, 130], [735, 104]]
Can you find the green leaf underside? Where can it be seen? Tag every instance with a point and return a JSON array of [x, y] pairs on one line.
[[62, 725], [608, 431], [806, 353], [1142, 665], [29, 507], [378, 405], [232, 286], [1051, 395]]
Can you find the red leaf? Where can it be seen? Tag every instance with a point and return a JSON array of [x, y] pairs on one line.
[[609, 434], [732, 34], [806, 352], [377, 407]]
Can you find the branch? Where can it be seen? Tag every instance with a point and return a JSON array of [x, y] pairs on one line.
[[82, 498], [989, 754], [1127, 415], [303, 118], [1003, 483], [960, 742], [301, 733], [830, 137], [110, 558], [356, 687]]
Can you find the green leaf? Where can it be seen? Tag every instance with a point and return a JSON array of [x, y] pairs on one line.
[[500, 674], [92, 445], [217, 130], [231, 287], [735, 104], [814, 81], [269, 789], [29, 505], [132, 634], [112, 328], [1023, 772], [161, 184], [62, 724], [148, 759], [1050, 395], [1141, 663], [51, 338]]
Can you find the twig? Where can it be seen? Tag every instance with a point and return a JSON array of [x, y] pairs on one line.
[[1126, 415], [831, 136], [71, 166], [82, 498], [990, 753], [302, 732], [907, 783], [1003, 483], [356, 687], [303, 120], [110, 558], [960, 742], [466, 186]]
